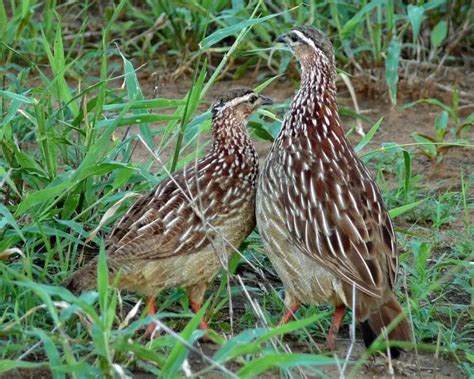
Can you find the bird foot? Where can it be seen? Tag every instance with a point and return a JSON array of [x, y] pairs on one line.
[[331, 342], [152, 331]]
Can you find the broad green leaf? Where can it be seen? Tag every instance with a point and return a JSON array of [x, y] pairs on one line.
[[5, 177], [222, 33], [439, 33], [415, 15], [135, 93], [20, 98], [136, 119], [357, 19], [180, 351], [395, 212], [433, 4], [260, 131], [282, 360], [431, 101], [251, 340], [265, 84], [8, 364], [469, 120], [52, 352], [441, 125], [8, 219], [368, 137], [144, 104], [43, 195]]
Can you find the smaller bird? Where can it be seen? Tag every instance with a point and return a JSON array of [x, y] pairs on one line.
[[183, 232], [320, 214]]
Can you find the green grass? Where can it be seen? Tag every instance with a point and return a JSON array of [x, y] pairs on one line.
[[73, 110]]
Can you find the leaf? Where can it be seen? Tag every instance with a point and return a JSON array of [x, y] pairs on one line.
[[439, 33], [5, 177], [180, 351], [391, 68], [282, 360], [395, 212], [430, 101], [426, 145], [357, 19], [10, 220], [407, 162], [52, 353], [144, 104], [17, 97], [7, 365], [102, 280], [251, 340], [259, 130], [415, 15], [265, 84], [220, 34], [368, 137], [441, 125], [469, 120], [135, 93]]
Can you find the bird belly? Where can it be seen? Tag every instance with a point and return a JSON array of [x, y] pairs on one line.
[[309, 281], [303, 277], [152, 277]]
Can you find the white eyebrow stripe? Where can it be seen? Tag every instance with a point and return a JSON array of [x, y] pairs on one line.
[[302, 37], [236, 101]]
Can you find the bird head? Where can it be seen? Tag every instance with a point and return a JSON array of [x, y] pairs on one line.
[[309, 45], [240, 102]]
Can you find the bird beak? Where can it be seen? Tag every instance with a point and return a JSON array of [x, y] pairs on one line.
[[281, 38], [266, 100]]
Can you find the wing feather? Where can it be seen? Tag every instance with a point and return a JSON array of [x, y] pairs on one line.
[[334, 211]]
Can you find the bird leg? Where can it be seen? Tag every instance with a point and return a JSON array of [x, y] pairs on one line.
[[151, 304], [336, 324], [196, 297], [289, 313], [196, 307]]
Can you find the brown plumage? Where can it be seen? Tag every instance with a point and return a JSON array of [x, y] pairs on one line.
[[320, 214], [183, 232]]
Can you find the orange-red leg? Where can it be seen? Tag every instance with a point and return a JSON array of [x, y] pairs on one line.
[[151, 304], [336, 324], [289, 314], [196, 307]]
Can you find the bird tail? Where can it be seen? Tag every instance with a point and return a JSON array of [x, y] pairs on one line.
[[382, 318], [83, 279]]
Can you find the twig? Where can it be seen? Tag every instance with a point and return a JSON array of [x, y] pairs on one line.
[[347, 82], [351, 332]]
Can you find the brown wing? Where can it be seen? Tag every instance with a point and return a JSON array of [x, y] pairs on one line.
[[335, 212], [174, 219]]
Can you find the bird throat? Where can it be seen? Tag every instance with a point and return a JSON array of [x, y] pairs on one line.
[[230, 135], [314, 109]]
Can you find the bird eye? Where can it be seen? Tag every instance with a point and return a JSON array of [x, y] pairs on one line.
[[293, 38], [253, 99]]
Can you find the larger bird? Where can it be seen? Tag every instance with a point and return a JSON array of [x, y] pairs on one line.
[[320, 214], [183, 232]]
